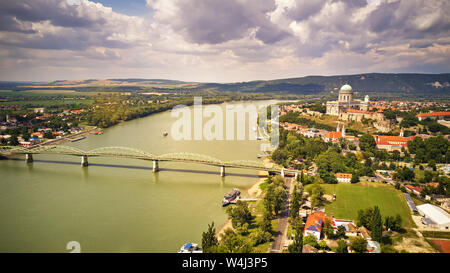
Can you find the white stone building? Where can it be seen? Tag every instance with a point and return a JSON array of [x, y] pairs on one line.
[[346, 101]]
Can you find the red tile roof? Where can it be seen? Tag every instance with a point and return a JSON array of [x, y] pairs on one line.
[[390, 139], [434, 114], [315, 221], [357, 111], [344, 175], [411, 187], [333, 135]]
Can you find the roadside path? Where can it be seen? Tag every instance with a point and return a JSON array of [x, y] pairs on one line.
[[277, 246]]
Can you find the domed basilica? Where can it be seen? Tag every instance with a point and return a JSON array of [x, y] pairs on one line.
[[346, 102]]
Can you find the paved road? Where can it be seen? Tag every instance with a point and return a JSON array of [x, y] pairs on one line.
[[277, 246]]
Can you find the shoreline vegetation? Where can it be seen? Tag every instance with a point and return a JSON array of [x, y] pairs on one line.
[[254, 191]]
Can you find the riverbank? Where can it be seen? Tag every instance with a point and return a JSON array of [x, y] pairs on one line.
[[253, 191], [68, 138]]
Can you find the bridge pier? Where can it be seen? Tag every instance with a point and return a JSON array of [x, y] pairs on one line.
[[29, 158], [84, 161], [155, 166], [222, 171], [295, 176], [282, 172]]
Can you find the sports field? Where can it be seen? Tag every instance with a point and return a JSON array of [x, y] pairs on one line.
[[352, 197]]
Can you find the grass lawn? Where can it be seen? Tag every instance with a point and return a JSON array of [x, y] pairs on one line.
[[352, 197]]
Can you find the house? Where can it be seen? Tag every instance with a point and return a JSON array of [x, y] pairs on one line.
[[29, 143], [365, 233], [311, 133], [335, 136], [309, 249], [11, 119], [413, 189], [435, 115], [391, 143], [344, 177], [38, 134], [351, 230], [315, 223], [39, 110], [434, 216], [349, 225]]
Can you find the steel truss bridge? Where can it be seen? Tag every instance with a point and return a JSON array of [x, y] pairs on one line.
[[124, 152]]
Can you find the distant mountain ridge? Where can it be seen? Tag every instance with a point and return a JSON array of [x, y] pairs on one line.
[[367, 83], [402, 83]]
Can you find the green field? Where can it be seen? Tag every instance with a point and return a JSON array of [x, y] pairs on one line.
[[352, 197]]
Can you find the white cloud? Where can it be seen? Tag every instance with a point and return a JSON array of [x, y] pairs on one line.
[[216, 40]]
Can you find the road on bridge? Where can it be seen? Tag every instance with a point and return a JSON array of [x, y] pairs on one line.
[[280, 238]]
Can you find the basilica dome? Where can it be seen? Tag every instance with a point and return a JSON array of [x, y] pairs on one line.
[[346, 87]]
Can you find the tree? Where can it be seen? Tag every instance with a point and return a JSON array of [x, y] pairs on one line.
[[355, 178], [342, 247], [376, 225], [297, 245], [26, 136], [259, 237], [266, 223], [323, 245], [275, 196], [209, 239], [364, 217], [316, 192], [310, 240], [296, 200], [367, 143], [240, 214], [389, 222], [48, 135], [359, 245], [233, 243], [14, 141], [340, 233], [397, 223], [328, 229]]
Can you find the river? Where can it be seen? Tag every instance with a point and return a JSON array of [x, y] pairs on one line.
[[120, 208]]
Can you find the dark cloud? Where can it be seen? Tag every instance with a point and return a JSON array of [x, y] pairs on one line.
[[218, 21], [58, 12], [61, 26], [304, 9]]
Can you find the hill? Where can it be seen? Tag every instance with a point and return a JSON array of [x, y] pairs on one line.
[[365, 83], [375, 83]]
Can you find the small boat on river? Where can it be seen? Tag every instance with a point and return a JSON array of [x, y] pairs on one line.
[[231, 197]]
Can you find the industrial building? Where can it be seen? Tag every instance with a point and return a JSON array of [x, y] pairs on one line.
[[434, 216]]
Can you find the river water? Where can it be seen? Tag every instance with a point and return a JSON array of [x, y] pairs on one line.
[[120, 205]]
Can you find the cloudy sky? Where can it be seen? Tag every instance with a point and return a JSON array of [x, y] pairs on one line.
[[220, 40]]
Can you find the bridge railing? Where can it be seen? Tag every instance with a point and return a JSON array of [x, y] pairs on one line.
[[126, 152]]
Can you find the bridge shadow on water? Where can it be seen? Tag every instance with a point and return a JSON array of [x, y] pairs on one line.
[[137, 167]]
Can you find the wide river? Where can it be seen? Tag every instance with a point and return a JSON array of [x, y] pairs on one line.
[[124, 207]]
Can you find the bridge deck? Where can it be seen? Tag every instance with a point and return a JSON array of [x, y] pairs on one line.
[[124, 152]]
